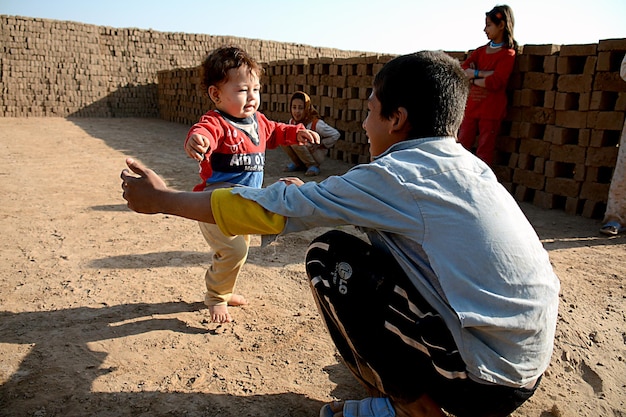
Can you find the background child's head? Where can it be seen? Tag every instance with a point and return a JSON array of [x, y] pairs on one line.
[[217, 64], [503, 13], [302, 111], [430, 85]]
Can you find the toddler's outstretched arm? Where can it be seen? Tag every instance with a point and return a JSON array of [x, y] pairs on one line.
[[196, 146]]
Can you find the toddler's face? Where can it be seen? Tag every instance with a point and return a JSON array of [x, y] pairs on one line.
[[240, 95], [297, 109]]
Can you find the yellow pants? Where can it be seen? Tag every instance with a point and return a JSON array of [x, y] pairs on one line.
[[229, 255]]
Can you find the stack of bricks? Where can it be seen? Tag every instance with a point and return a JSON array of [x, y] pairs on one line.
[[559, 141], [557, 149], [59, 68], [339, 89]]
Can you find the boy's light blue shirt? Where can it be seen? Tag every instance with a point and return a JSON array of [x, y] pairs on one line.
[[460, 237]]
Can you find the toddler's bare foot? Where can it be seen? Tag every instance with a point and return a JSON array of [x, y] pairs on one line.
[[237, 300], [220, 314]]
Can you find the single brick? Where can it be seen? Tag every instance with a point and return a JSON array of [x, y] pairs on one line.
[[608, 120], [572, 119], [601, 157], [578, 50], [577, 83], [594, 191], [529, 179], [535, 147], [567, 153], [563, 186], [539, 81]]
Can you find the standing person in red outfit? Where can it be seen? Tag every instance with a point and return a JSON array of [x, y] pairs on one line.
[[488, 68]]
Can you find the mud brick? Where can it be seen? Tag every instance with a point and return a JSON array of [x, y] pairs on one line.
[[549, 98], [573, 206], [578, 50], [362, 82], [531, 63], [565, 170], [608, 120], [535, 147], [566, 101], [603, 100], [526, 162], [515, 130], [567, 153], [545, 200], [593, 209], [545, 50], [594, 191], [608, 81], [575, 83], [529, 179], [607, 61], [513, 160], [523, 193], [602, 138], [540, 166], [538, 115], [549, 64], [613, 44], [571, 64], [539, 81], [571, 119], [561, 135], [601, 157], [563, 186], [532, 98], [602, 175]]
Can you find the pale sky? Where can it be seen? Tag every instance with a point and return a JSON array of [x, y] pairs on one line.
[[394, 27]]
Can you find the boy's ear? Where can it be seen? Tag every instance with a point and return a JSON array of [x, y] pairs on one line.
[[400, 120], [214, 94]]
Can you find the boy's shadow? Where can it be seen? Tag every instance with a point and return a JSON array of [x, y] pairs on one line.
[[53, 336]]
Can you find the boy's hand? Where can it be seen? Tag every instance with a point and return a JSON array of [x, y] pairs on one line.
[[307, 136], [197, 146], [143, 193]]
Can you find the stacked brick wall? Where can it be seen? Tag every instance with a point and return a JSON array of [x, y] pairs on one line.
[[558, 144], [60, 68]]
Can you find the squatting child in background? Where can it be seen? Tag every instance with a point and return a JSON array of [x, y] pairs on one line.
[[229, 143], [488, 69], [310, 156]]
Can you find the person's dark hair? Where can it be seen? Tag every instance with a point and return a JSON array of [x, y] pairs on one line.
[[503, 13], [430, 85], [216, 65]]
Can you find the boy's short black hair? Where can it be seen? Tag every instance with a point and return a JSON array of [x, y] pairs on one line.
[[430, 85], [216, 65]]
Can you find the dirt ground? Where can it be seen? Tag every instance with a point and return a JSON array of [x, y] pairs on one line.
[[101, 314]]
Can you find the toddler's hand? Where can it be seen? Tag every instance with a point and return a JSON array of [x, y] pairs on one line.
[[197, 146], [291, 181], [308, 136]]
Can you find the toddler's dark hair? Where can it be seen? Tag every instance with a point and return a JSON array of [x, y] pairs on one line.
[[216, 65]]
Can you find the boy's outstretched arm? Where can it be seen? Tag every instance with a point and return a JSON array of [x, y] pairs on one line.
[[147, 193]]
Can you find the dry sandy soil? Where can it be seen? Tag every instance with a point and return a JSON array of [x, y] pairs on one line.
[[101, 314]]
